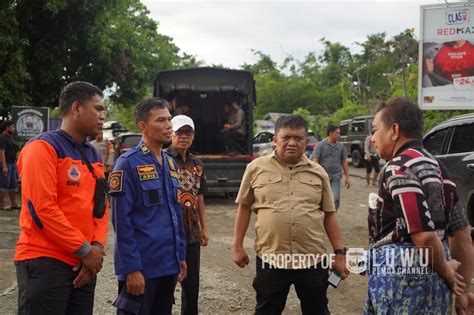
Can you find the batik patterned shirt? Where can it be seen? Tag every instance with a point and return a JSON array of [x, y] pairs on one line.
[[415, 194], [193, 183]]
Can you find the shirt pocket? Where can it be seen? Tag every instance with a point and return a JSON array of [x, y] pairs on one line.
[[311, 188], [268, 188], [152, 192], [176, 186]]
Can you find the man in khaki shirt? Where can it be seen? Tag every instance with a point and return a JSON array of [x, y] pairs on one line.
[[292, 198]]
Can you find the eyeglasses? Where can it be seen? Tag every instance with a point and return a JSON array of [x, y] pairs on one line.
[[188, 132]]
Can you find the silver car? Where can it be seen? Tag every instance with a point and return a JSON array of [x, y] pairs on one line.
[[263, 145]]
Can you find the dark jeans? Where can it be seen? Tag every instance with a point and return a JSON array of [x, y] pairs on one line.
[[272, 287], [45, 287], [190, 286], [158, 298]]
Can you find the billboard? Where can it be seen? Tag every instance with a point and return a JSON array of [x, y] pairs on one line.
[[29, 121], [446, 56]]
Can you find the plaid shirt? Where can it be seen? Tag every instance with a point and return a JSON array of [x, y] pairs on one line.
[[193, 183], [415, 194]]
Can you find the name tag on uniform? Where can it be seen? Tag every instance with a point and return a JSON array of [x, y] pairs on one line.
[[147, 172]]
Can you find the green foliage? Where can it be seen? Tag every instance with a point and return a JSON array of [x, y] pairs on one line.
[[349, 110], [336, 85], [111, 43], [124, 113], [311, 119], [433, 117], [55, 113], [13, 69]]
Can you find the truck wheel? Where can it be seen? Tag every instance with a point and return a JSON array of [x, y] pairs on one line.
[[357, 159]]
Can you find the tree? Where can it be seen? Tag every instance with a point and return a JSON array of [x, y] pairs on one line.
[[13, 70], [111, 43], [404, 49]]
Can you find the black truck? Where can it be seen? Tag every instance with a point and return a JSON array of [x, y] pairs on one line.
[[353, 134], [202, 93]]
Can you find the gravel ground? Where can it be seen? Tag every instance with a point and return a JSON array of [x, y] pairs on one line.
[[225, 288]]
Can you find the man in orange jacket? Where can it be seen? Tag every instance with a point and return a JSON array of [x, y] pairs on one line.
[[63, 233]]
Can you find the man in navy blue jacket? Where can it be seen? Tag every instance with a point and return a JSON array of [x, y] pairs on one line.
[[150, 245]]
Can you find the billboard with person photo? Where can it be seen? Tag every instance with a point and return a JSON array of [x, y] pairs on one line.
[[446, 62]]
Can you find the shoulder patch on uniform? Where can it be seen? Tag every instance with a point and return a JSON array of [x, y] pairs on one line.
[[116, 182], [146, 172]]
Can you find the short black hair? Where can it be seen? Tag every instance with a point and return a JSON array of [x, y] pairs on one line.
[[142, 109], [331, 128], [404, 112], [6, 124], [76, 91], [291, 121]]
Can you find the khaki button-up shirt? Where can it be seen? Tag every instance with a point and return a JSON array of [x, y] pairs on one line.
[[290, 204]]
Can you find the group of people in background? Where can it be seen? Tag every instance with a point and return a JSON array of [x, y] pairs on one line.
[[156, 198]]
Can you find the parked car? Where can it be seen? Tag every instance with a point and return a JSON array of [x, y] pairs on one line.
[[353, 134], [452, 142], [125, 142], [263, 145], [112, 129]]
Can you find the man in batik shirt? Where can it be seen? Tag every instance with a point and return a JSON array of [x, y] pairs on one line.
[[412, 211], [191, 196]]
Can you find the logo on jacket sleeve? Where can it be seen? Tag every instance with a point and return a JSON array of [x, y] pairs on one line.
[[73, 172], [116, 182]]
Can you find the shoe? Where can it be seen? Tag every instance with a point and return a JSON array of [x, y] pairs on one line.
[[16, 207]]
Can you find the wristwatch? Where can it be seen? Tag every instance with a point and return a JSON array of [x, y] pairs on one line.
[[340, 251]]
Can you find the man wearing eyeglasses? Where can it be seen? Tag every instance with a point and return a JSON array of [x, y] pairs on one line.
[[191, 196], [292, 199]]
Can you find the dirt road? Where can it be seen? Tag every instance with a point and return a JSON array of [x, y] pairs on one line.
[[225, 288]]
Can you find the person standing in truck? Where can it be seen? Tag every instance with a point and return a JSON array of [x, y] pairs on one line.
[[233, 133]]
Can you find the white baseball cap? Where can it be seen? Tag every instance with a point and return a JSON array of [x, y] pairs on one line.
[[181, 121]]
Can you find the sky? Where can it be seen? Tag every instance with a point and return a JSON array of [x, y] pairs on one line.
[[226, 31]]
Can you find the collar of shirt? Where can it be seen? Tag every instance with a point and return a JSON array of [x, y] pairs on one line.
[[407, 145], [330, 144], [175, 154], [68, 137], [303, 161]]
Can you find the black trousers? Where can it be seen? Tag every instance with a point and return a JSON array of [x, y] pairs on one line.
[[190, 286], [272, 286], [45, 287], [158, 298]]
